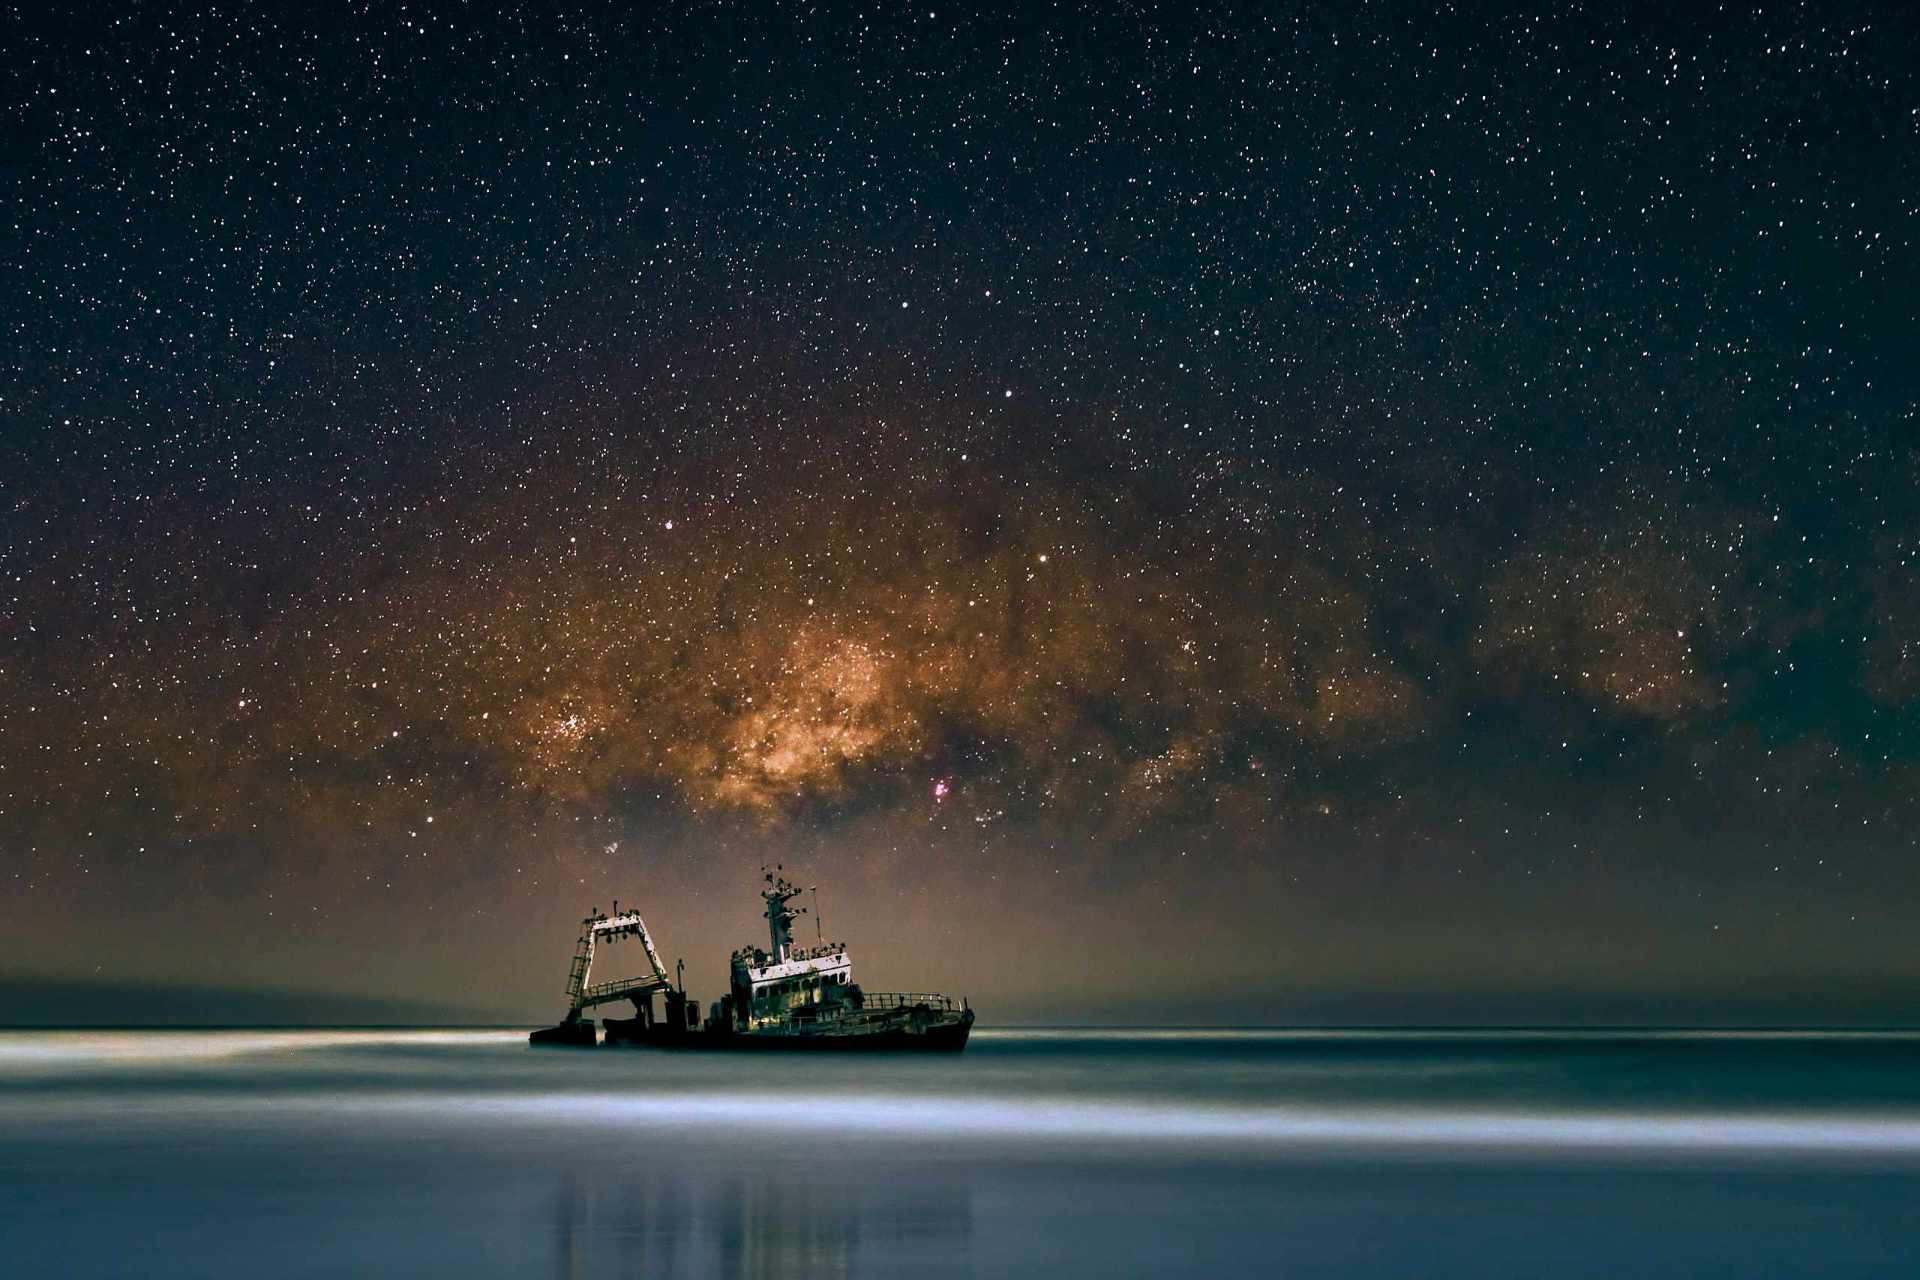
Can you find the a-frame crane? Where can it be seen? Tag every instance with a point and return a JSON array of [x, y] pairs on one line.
[[582, 993]]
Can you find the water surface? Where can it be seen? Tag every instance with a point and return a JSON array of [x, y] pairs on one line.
[[465, 1153]]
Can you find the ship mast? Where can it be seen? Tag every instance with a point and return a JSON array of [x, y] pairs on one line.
[[780, 916]]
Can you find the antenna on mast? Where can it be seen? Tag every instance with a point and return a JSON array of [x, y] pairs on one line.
[[819, 930]]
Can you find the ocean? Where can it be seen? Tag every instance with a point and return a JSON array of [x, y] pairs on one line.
[[1054, 1153]]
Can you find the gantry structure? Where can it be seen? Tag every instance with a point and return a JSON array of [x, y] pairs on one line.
[[598, 927]]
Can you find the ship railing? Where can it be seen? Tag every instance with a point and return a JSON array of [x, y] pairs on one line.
[[908, 999], [619, 989]]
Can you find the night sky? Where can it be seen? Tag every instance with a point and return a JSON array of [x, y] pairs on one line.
[[1307, 514]]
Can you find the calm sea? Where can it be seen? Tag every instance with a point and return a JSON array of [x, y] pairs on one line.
[[465, 1153]]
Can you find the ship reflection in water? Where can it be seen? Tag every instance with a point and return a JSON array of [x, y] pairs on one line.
[[759, 1226], [466, 1154]]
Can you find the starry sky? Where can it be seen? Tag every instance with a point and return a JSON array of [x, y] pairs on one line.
[[1295, 513]]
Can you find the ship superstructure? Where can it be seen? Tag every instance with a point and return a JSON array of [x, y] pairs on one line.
[[782, 996], [776, 986]]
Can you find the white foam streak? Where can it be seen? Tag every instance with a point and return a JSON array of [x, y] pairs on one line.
[[946, 1112], [83, 1048], [960, 1118]]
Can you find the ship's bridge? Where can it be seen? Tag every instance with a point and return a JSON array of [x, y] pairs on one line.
[[768, 990], [772, 985], [753, 967]]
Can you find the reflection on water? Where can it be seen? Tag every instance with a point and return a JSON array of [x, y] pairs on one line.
[[753, 1226]]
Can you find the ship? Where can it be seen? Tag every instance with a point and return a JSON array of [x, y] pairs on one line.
[[781, 996]]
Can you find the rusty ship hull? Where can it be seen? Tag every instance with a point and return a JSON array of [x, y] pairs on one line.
[[947, 1034]]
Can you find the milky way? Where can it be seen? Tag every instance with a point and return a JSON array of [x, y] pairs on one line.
[[1454, 480]]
